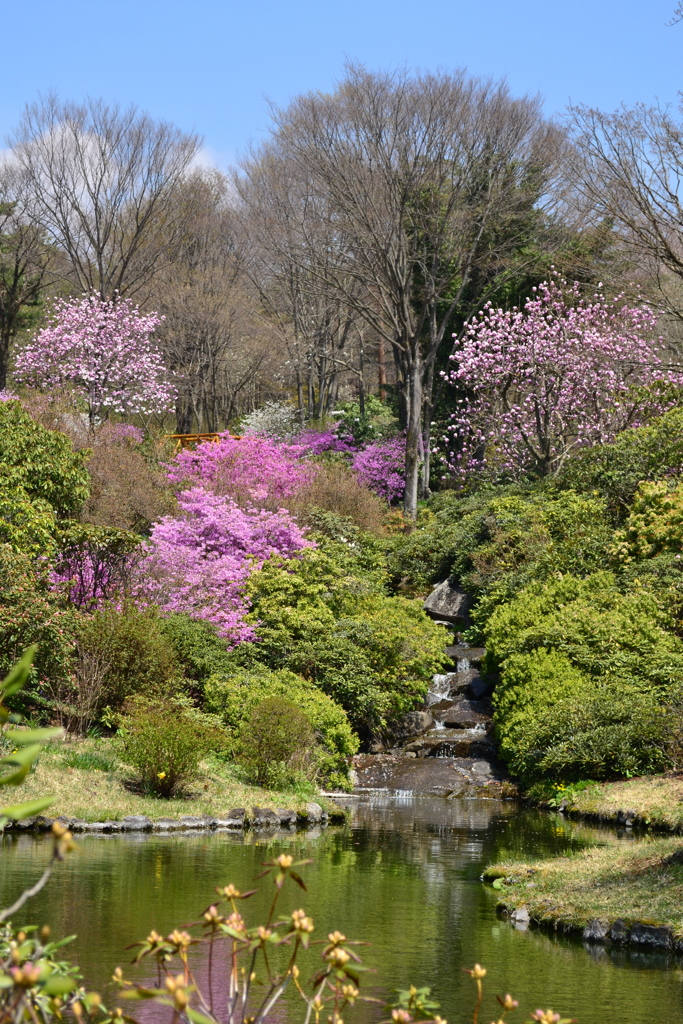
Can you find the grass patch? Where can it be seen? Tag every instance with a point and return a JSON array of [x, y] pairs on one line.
[[635, 881], [88, 781], [651, 801]]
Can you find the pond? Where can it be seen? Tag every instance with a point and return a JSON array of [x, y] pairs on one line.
[[403, 875]]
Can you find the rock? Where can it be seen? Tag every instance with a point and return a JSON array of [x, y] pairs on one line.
[[479, 687], [42, 824], [595, 931], [265, 818], [448, 602], [191, 821], [104, 826], [78, 825], [314, 814], [237, 812], [231, 823], [520, 918], [481, 768], [656, 936], [167, 825], [136, 823], [619, 932], [287, 818]]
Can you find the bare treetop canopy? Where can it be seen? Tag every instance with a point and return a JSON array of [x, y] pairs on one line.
[[103, 182], [395, 193]]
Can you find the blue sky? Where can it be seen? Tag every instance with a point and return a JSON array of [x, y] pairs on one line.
[[210, 65]]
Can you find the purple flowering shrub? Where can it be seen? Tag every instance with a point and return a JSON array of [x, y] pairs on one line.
[[198, 562], [381, 467]]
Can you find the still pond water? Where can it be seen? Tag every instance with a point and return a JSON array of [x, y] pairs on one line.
[[404, 875]]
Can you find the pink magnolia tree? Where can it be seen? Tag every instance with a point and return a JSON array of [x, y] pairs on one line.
[[103, 351], [198, 561], [563, 372]]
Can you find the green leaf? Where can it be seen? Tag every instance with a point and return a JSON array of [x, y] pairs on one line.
[[497, 883], [58, 986], [21, 737], [198, 1018], [19, 673], [23, 759], [17, 812]]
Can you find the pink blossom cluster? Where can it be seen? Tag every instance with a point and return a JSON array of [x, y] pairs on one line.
[[317, 442], [7, 396], [564, 372], [198, 562], [104, 351], [381, 467], [253, 470]]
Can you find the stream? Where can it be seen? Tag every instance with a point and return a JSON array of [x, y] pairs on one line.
[[404, 875]]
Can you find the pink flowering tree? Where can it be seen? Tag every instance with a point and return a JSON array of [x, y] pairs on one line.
[[563, 372], [104, 351], [381, 467], [198, 561]]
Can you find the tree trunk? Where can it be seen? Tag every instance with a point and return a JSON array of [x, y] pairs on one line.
[[413, 437], [381, 369]]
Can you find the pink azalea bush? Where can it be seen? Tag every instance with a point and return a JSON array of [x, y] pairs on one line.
[[198, 562], [252, 471], [381, 467], [557, 375], [104, 351]]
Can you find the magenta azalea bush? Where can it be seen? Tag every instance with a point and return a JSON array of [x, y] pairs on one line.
[[253, 471], [381, 467], [557, 375], [198, 562], [104, 351]]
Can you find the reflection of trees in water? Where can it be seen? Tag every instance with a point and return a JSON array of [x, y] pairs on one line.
[[405, 877]]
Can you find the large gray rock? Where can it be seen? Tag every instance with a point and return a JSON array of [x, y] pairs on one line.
[[136, 823], [265, 818], [448, 602]]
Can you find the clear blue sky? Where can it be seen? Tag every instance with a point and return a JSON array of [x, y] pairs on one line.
[[210, 65]]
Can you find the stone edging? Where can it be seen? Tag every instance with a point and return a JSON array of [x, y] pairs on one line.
[[620, 933], [235, 820]]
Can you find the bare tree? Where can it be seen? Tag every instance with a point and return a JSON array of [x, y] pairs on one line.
[[413, 172], [629, 171], [212, 334], [103, 185], [24, 261], [289, 249]]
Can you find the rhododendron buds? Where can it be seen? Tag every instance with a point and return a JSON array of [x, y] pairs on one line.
[[104, 351]]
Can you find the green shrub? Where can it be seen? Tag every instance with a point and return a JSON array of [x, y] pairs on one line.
[[27, 525], [29, 614], [590, 680], [600, 629], [164, 746], [373, 654], [233, 698], [555, 722], [615, 470], [277, 744], [654, 524], [41, 461], [135, 655], [90, 760], [495, 543], [198, 649]]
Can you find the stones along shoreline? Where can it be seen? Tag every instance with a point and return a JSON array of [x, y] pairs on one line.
[[239, 819]]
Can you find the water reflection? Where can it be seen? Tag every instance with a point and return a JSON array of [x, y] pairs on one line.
[[403, 875]]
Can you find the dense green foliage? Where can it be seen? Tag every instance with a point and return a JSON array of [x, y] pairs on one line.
[[277, 744], [373, 654], [41, 461], [233, 697]]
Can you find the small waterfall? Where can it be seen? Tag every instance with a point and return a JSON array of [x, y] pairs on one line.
[[440, 688]]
